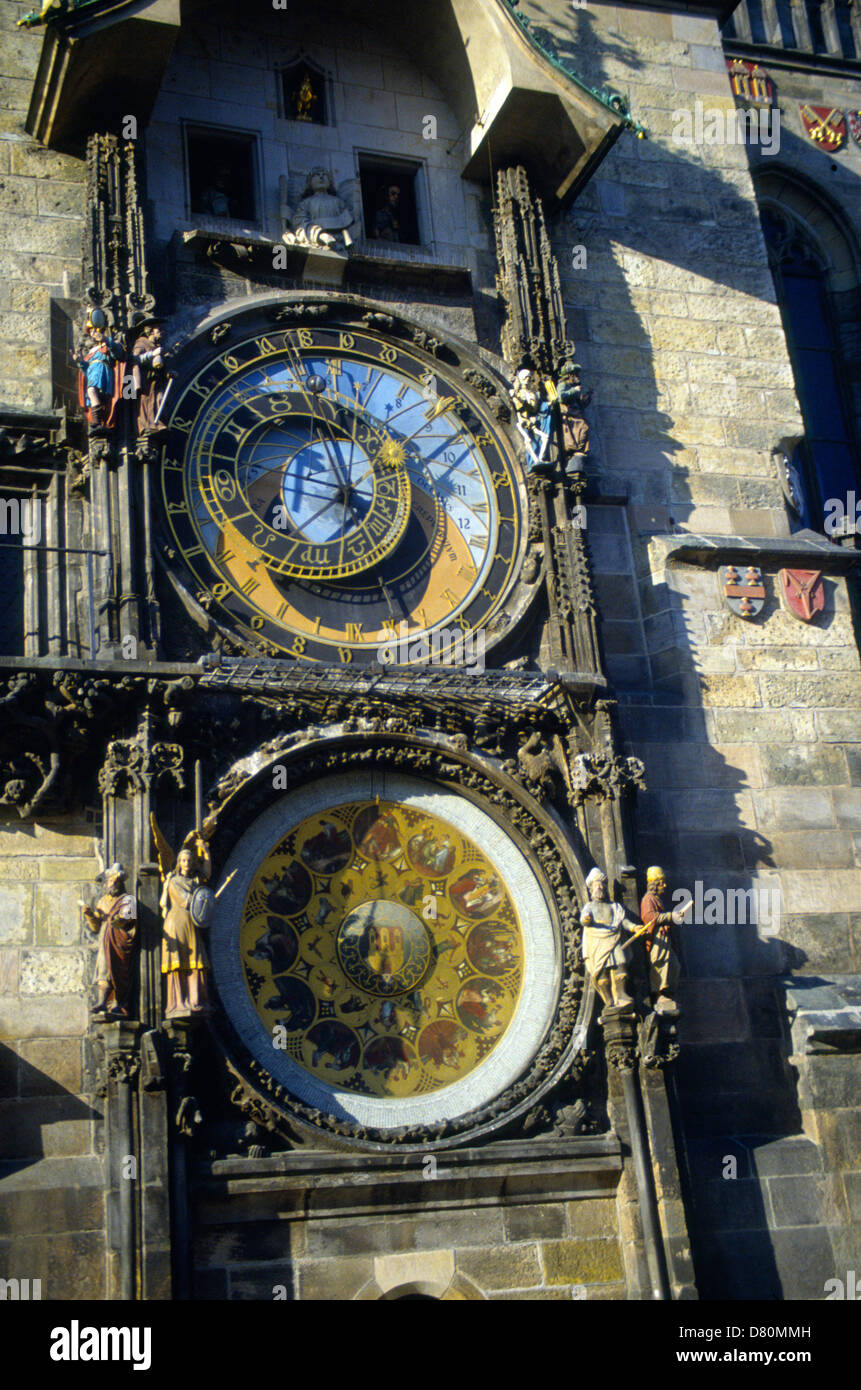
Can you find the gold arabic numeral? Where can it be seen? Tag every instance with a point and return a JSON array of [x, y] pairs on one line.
[[345, 655], [220, 590], [305, 337], [483, 439], [264, 347], [499, 480], [171, 466], [354, 632], [231, 363], [180, 507], [346, 341], [225, 485], [257, 623], [389, 354], [299, 645]]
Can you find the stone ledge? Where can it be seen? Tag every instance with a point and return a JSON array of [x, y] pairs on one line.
[[805, 549]]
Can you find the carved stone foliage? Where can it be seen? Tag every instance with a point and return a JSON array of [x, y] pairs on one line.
[[528, 277], [605, 776], [114, 250], [51, 726], [133, 764]]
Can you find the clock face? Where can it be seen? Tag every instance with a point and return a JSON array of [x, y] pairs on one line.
[[332, 492], [384, 950]]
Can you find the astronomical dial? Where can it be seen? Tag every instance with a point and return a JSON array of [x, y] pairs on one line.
[[332, 492]]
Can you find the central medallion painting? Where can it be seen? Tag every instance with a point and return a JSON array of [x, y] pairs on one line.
[[384, 949], [384, 944]]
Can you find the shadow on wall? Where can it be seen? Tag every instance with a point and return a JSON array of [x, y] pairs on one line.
[[674, 319]]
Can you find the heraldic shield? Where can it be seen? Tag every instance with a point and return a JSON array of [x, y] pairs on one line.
[[745, 596], [804, 592]]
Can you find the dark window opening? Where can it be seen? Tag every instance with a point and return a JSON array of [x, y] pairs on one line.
[[12, 588], [814, 19], [844, 28], [757, 23], [303, 94], [389, 201], [830, 457], [787, 28], [221, 175]]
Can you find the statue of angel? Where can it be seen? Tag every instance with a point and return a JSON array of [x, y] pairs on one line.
[[323, 216], [188, 906]]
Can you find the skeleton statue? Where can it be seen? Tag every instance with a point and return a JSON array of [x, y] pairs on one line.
[[534, 410], [323, 216]]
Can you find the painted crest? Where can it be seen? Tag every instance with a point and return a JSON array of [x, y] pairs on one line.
[[804, 592], [745, 593], [825, 125], [853, 120], [751, 84]]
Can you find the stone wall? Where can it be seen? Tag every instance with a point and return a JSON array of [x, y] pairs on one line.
[[41, 225], [226, 77], [52, 1217], [749, 730], [489, 1224]]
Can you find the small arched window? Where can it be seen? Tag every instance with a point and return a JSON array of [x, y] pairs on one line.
[[830, 463]]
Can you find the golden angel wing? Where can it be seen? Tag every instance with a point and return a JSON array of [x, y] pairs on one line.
[[166, 856]]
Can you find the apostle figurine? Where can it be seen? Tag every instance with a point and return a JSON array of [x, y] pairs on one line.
[[605, 926], [100, 378], [149, 373], [187, 905], [572, 400], [663, 962], [115, 918], [322, 217], [534, 412], [387, 222], [304, 99]]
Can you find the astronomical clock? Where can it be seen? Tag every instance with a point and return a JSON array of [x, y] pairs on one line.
[[392, 945], [330, 488]]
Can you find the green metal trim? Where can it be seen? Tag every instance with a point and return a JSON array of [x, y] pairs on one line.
[[54, 9], [614, 101]]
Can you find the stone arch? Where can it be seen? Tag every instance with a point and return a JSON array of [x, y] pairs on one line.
[[812, 209], [817, 226]]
